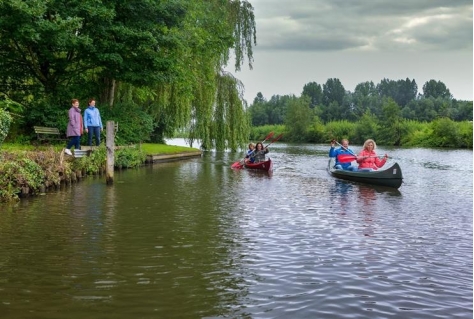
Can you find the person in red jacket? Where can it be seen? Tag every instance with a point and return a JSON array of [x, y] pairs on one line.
[[368, 159]]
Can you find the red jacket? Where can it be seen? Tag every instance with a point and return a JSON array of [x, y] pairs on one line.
[[370, 162]]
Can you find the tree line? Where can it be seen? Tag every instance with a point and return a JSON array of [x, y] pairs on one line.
[[391, 110], [152, 66]]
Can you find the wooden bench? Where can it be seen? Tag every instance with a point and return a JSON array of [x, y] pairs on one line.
[[49, 134]]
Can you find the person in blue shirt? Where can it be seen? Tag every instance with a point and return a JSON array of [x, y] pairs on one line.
[[92, 123], [250, 151], [344, 149]]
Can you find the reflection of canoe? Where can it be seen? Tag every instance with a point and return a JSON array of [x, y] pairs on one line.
[[390, 177], [263, 166]]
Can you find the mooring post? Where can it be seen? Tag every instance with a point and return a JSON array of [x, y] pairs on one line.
[[110, 134]]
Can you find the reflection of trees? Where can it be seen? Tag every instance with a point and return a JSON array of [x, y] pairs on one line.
[[177, 236]]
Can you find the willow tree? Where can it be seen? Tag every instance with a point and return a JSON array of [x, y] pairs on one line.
[[202, 98], [166, 56]]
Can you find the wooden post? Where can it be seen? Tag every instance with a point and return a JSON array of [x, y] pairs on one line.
[[110, 138]]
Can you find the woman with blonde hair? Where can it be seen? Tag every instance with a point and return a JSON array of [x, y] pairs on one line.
[[368, 159]]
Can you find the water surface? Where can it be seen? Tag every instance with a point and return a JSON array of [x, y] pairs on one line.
[[196, 239]]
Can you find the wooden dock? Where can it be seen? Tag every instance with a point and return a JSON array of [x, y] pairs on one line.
[[171, 157]]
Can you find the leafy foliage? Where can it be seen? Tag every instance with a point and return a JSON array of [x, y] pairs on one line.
[[5, 121], [134, 124], [436, 89], [19, 172], [445, 133], [298, 118], [128, 157], [163, 59], [373, 107]]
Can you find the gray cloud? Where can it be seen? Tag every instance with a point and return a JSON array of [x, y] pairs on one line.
[[364, 25]]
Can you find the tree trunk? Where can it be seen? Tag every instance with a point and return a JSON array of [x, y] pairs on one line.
[[107, 95]]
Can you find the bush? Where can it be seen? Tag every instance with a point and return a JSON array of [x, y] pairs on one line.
[[15, 174], [128, 157], [134, 125], [5, 121], [465, 134], [258, 133], [340, 129], [445, 133]]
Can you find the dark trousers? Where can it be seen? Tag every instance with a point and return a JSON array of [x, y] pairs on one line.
[[74, 141], [93, 131]]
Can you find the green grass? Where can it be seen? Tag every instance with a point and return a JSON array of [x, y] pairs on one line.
[[154, 149], [151, 149]]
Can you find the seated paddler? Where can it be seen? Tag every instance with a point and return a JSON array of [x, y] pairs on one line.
[[343, 150]]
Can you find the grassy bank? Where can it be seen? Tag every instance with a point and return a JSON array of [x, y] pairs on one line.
[[31, 170]]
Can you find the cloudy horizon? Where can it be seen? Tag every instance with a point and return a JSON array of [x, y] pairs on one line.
[[302, 41]]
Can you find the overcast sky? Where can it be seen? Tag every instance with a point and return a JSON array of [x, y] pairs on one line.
[[301, 41]]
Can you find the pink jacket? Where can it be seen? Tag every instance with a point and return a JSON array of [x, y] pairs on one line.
[[74, 127], [370, 162]]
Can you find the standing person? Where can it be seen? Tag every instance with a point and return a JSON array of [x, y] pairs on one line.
[[74, 127], [368, 159], [92, 123], [259, 153], [344, 149]]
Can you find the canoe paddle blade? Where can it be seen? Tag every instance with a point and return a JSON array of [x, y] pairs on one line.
[[346, 158]]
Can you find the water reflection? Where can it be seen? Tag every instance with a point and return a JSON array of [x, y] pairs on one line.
[[196, 239], [369, 198], [341, 192]]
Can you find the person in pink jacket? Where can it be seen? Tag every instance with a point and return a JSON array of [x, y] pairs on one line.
[[368, 159], [74, 127]]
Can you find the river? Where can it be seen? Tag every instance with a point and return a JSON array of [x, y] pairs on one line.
[[196, 239]]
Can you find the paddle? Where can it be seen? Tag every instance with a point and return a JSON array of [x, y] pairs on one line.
[[274, 140], [240, 164], [347, 158], [343, 148]]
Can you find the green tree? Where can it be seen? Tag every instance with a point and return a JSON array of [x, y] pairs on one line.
[[436, 89], [390, 125], [333, 91], [298, 118], [166, 56], [424, 109], [463, 110], [365, 97], [366, 127], [55, 47], [401, 91], [314, 91]]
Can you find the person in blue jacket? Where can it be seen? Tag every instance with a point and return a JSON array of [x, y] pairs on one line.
[[250, 151], [92, 123], [344, 149]]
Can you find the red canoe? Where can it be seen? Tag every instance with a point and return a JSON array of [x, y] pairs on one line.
[[263, 166]]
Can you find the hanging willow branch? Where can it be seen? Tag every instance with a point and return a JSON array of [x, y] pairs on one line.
[[200, 98], [242, 19]]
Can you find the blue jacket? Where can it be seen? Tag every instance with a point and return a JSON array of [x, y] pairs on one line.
[[335, 152], [92, 117]]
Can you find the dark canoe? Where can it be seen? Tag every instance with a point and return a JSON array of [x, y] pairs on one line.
[[263, 166], [390, 177]]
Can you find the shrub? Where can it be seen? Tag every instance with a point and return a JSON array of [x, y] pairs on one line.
[[15, 174], [445, 133], [5, 121], [128, 157]]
